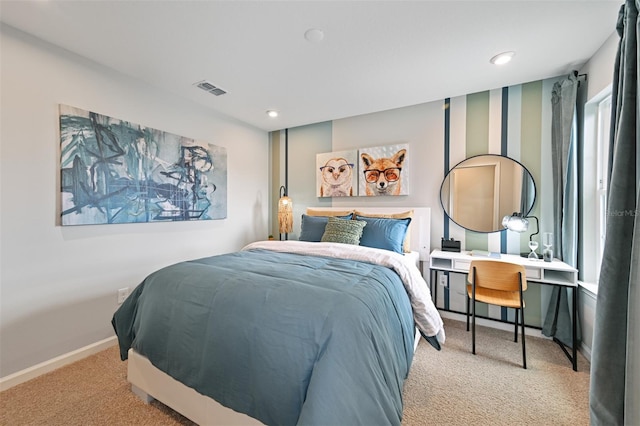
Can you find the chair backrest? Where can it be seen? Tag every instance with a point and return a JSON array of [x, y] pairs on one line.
[[497, 275]]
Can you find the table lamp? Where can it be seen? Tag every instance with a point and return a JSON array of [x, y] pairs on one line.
[[519, 223]]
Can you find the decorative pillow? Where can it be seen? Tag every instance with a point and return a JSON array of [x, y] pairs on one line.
[[343, 231], [382, 233], [402, 215], [320, 212], [312, 227]]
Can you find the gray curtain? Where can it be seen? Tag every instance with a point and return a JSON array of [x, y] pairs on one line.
[[615, 359], [557, 323]]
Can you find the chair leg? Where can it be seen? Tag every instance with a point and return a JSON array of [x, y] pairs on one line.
[[468, 311], [473, 324], [473, 307], [524, 351], [515, 331]]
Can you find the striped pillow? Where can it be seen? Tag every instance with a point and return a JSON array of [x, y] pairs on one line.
[[343, 231]]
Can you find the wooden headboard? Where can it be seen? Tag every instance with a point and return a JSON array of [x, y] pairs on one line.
[[420, 229]]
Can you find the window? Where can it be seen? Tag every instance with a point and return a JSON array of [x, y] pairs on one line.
[[603, 123], [594, 178]]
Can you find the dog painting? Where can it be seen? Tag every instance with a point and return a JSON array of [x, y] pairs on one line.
[[382, 171], [336, 176]]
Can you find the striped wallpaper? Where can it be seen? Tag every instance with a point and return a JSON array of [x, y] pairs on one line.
[[507, 121]]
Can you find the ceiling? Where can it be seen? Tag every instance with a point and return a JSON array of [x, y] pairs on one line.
[[375, 55]]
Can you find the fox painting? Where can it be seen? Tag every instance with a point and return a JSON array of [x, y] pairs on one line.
[[383, 176]]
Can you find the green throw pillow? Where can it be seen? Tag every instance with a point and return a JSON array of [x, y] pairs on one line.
[[343, 231]]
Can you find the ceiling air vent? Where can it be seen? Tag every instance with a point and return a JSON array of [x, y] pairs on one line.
[[205, 85]]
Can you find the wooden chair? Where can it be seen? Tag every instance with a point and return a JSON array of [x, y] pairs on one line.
[[497, 283]]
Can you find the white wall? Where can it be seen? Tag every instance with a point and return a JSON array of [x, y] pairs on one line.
[[59, 284], [599, 68]]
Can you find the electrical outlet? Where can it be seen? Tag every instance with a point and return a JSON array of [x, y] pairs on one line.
[[443, 280], [122, 295]]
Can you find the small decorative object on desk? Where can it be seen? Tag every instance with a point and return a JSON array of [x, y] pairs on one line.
[[450, 245], [547, 242], [533, 245]]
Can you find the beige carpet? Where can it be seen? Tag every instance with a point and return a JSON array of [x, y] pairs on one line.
[[450, 387], [455, 387]]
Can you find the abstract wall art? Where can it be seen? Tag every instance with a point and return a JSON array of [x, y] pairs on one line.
[[115, 171]]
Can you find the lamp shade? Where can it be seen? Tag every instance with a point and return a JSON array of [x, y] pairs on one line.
[[515, 223], [285, 214]]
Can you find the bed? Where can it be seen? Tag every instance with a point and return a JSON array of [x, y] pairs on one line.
[[297, 332]]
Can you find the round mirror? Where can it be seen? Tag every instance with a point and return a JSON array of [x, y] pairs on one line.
[[479, 191]]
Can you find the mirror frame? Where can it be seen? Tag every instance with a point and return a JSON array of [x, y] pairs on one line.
[[447, 179]]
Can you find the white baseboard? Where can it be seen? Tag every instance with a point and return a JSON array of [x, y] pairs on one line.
[[586, 351], [60, 361]]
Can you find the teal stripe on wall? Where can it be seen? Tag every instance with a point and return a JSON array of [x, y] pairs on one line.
[[447, 146], [477, 143], [504, 140], [477, 138], [531, 153]]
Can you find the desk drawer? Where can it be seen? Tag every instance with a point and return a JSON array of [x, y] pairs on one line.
[[533, 273], [462, 265]]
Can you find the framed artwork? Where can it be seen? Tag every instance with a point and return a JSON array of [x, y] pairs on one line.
[[115, 171], [384, 170], [336, 174]]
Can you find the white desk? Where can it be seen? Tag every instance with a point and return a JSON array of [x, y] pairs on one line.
[[551, 273]]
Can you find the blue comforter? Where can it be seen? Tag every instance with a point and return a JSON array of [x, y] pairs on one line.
[[285, 338]]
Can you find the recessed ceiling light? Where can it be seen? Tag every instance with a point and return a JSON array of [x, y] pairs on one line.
[[314, 35], [502, 58], [272, 113]]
